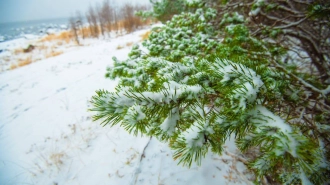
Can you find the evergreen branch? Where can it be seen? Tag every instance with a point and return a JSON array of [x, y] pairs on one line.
[[195, 93]]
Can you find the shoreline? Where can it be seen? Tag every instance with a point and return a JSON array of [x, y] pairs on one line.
[[23, 51]]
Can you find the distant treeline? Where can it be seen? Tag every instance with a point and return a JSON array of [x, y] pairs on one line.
[[104, 18]]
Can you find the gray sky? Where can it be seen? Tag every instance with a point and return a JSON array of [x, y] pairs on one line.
[[22, 10]]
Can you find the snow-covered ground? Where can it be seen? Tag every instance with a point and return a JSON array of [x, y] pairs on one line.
[[47, 135]]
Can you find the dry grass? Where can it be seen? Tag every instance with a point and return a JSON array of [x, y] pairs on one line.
[[120, 25], [63, 36], [59, 43], [53, 54], [13, 66], [119, 47], [42, 47], [57, 159], [86, 31], [6, 59], [134, 23], [25, 61], [28, 59], [129, 44], [145, 35], [18, 51], [22, 62], [48, 38], [24, 58]]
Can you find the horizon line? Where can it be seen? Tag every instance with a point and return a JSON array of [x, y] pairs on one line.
[[32, 20]]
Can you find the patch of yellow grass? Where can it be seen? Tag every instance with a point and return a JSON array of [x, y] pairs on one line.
[[145, 35], [6, 59], [42, 47], [13, 66], [22, 62], [66, 36], [120, 47], [129, 44], [59, 43], [120, 25], [53, 54], [86, 31], [123, 24], [18, 51], [63, 36], [48, 38], [25, 61]]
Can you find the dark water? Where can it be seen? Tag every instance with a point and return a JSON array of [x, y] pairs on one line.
[[13, 30]]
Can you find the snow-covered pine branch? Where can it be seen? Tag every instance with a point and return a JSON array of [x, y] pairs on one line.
[[206, 78]]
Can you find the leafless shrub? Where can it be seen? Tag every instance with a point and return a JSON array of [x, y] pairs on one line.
[[115, 16], [74, 28], [128, 15], [91, 16], [80, 24], [107, 15], [101, 19], [132, 22]]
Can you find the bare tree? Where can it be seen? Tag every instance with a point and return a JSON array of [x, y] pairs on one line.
[[92, 16], [100, 18], [128, 16], [89, 20], [80, 23], [115, 19], [107, 13], [74, 28]]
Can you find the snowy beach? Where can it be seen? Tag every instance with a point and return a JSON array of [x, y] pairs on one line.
[[22, 29], [47, 135]]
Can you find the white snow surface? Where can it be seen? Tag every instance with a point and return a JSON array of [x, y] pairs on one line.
[[47, 135]]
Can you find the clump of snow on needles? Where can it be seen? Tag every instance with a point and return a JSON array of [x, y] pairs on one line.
[[272, 120], [195, 135], [248, 92], [169, 123]]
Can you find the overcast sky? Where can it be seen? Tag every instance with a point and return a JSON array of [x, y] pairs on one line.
[[22, 10]]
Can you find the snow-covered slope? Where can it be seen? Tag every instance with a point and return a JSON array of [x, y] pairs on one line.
[[47, 135]]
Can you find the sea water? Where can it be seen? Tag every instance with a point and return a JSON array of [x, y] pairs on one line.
[[14, 30]]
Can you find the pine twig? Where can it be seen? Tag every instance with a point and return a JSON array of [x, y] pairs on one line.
[[241, 159], [144, 149], [141, 157]]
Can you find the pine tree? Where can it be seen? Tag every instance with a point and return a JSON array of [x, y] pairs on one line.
[[205, 79]]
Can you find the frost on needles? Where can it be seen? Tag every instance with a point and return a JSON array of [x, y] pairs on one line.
[[197, 86]]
